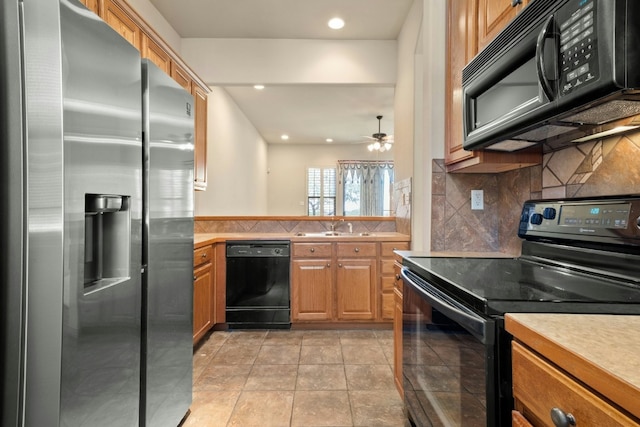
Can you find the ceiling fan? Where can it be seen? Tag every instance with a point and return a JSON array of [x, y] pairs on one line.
[[381, 141]]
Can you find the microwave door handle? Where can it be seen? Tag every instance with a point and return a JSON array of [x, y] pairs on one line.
[[548, 31]]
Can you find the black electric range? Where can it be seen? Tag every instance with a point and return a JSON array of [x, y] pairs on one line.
[[578, 256]]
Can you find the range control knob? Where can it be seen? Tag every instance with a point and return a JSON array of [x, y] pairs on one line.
[[549, 213], [536, 219], [277, 251]]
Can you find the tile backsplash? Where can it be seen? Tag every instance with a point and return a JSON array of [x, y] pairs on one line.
[[606, 167]]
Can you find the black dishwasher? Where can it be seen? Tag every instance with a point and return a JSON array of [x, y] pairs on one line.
[[258, 284]]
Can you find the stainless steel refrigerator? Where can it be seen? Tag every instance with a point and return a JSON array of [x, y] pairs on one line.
[[96, 231]]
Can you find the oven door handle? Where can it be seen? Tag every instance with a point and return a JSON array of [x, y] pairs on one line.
[[475, 324]]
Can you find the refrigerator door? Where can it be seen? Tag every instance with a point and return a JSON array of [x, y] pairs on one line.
[[168, 250], [12, 243], [102, 131]]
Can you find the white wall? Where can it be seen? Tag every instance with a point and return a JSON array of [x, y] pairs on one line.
[[287, 166], [236, 162]]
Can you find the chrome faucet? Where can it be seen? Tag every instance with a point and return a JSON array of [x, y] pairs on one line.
[[350, 228], [334, 223]]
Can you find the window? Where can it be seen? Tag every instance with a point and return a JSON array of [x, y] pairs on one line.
[[366, 187], [321, 191]]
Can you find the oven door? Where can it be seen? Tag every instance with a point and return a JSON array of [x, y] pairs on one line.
[[449, 372]]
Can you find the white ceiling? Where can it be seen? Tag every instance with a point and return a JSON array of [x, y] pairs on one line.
[[308, 114]]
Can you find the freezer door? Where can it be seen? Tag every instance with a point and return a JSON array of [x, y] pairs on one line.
[[168, 250], [102, 129]]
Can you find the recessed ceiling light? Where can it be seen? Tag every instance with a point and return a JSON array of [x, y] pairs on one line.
[[259, 87], [284, 137], [336, 23], [329, 140]]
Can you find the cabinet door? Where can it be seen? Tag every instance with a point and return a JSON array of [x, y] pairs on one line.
[[181, 76], [493, 16], [92, 5], [311, 289], [156, 54], [461, 47], [397, 338], [200, 149], [356, 289], [201, 301], [122, 23]]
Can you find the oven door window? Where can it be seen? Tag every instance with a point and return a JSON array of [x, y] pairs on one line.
[[445, 368]]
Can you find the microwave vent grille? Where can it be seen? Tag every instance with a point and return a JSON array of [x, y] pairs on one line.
[[534, 14], [612, 110], [544, 132]]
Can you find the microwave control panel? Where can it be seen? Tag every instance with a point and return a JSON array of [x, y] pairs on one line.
[[578, 44]]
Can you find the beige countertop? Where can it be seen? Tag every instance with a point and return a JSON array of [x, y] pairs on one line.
[[602, 351], [203, 239]]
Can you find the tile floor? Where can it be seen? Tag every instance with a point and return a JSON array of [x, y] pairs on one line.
[[295, 378]]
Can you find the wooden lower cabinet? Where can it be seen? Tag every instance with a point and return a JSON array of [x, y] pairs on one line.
[[203, 279], [343, 281], [539, 386], [356, 289], [387, 270], [311, 289], [397, 338]]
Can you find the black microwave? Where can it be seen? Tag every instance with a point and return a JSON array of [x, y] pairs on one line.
[[562, 72]]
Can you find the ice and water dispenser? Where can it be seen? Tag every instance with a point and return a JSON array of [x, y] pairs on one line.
[[107, 241]]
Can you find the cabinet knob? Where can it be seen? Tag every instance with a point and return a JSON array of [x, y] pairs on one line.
[[328, 265], [204, 255], [357, 250], [561, 418], [340, 265], [397, 277], [312, 249], [194, 277]]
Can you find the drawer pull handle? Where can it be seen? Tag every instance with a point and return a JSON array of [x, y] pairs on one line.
[[561, 418], [312, 249], [357, 250]]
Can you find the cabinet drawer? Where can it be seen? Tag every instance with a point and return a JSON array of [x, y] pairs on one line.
[[202, 255], [314, 250], [387, 248], [386, 267], [539, 386], [348, 250]]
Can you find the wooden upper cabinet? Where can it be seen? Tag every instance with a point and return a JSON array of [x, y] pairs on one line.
[[120, 21], [493, 16], [470, 26], [156, 54], [92, 5], [181, 76], [200, 138], [461, 47]]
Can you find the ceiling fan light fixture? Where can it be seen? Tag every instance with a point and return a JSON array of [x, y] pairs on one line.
[[336, 23], [387, 146], [376, 145]]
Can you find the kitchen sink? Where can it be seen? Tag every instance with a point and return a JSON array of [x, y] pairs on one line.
[[332, 234], [320, 234]]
